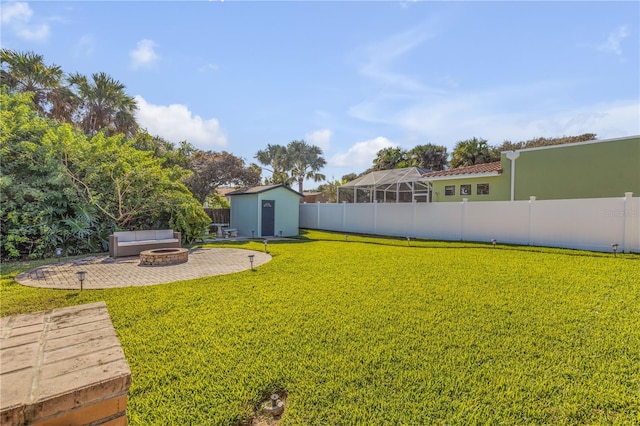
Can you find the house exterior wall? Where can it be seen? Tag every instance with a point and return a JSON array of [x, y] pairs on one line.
[[246, 212], [498, 187], [597, 169]]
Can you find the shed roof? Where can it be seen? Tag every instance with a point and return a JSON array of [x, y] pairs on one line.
[[382, 177], [260, 189], [493, 168]]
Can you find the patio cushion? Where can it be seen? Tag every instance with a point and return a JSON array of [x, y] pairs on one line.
[[147, 242], [164, 234], [145, 235], [124, 236]]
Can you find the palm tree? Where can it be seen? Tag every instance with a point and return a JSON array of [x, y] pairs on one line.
[[276, 157], [27, 72], [390, 158], [472, 151], [304, 162], [105, 105], [429, 156]]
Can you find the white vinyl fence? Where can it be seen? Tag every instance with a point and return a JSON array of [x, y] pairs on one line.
[[588, 224]]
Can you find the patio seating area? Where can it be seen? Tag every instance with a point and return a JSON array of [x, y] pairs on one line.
[[106, 272]]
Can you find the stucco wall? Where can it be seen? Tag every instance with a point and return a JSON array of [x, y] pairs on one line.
[[585, 170], [498, 187]]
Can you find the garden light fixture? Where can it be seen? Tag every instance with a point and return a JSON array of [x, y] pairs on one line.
[[346, 238], [494, 242], [614, 247], [275, 406], [280, 234], [58, 252], [81, 276], [252, 232], [266, 242], [408, 240], [251, 256]]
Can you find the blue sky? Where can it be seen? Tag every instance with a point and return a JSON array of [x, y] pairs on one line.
[[351, 77]]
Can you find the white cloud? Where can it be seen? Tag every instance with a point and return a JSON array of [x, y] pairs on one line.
[[85, 46], [12, 12], [208, 67], [613, 41], [449, 122], [176, 123], [17, 17], [34, 33], [361, 154], [381, 57], [144, 55], [321, 138]]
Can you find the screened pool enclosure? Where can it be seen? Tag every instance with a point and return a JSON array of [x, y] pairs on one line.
[[387, 186]]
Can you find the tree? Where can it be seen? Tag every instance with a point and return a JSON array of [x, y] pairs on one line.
[[473, 151], [213, 169], [390, 158], [429, 156], [40, 210], [537, 142], [164, 150], [305, 161], [275, 156], [349, 177], [27, 72], [104, 105], [61, 189], [330, 189]]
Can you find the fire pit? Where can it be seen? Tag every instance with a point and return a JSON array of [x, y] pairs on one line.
[[164, 257]]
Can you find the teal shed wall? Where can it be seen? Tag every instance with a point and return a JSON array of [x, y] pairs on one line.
[[246, 212]]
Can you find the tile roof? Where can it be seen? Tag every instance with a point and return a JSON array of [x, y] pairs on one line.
[[468, 170]]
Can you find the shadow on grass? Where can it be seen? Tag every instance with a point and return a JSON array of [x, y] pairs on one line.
[[445, 244]]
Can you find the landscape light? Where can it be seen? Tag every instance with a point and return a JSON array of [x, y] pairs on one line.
[[614, 247], [81, 276], [408, 240], [346, 238], [275, 406], [252, 232], [58, 252], [265, 245], [280, 234], [494, 242], [251, 256]]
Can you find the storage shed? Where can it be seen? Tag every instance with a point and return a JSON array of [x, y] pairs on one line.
[[265, 211]]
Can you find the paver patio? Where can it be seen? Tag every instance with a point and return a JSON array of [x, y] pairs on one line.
[[106, 272]]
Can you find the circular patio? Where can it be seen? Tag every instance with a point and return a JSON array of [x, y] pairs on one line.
[[106, 272]]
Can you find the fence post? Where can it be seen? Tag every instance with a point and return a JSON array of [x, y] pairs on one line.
[[375, 216], [627, 223], [464, 218], [344, 215], [413, 218], [531, 201]]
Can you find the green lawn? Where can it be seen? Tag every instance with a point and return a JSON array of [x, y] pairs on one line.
[[374, 332]]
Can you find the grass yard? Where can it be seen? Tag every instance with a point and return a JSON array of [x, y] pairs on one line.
[[375, 332]]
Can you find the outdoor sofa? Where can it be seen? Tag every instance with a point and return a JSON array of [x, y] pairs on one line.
[[131, 243]]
